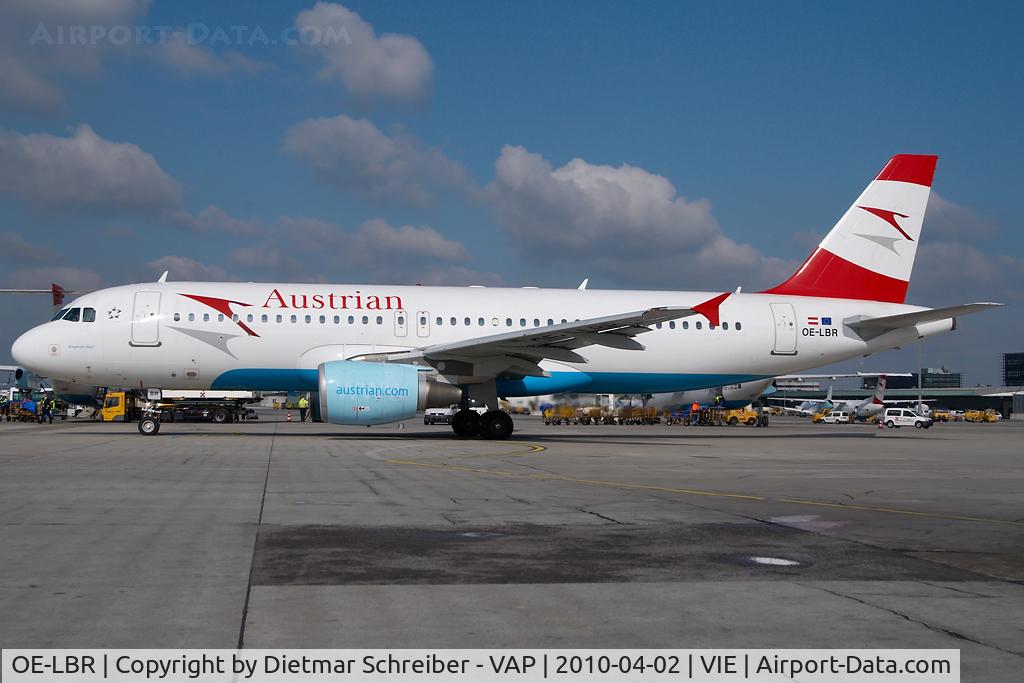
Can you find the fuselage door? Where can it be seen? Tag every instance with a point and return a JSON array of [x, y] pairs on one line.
[[146, 319], [785, 329], [422, 323], [401, 324]]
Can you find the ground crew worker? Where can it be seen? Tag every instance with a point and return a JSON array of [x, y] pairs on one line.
[[46, 410], [695, 413], [303, 407], [5, 407]]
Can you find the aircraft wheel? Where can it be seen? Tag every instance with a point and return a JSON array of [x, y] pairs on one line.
[[149, 426], [496, 424], [466, 423], [890, 424]]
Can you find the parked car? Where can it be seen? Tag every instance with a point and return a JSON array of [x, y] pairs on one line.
[[904, 417], [438, 416], [837, 417]]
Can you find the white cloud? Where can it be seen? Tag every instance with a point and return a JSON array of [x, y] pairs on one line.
[[215, 220], [71, 278], [32, 55], [83, 172], [389, 67], [353, 155], [185, 268], [946, 220], [180, 55], [622, 222], [15, 249]]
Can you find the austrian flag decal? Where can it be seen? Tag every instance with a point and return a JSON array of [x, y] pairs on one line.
[[815, 320]]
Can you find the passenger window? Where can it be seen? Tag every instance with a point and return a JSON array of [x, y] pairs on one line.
[[522, 322], [220, 317], [366, 320], [686, 325], [309, 318], [59, 314], [73, 315], [234, 317], [672, 325], [248, 318], [191, 317], [337, 319], [564, 321], [711, 326], [658, 325], [323, 319], [739, 327], [725, 326], [401, 320], [698, 324], [468, 322], [439, 320], [480, 321], [550, 321], [536, 322], [380, 320], [264, 318], [351, 320], [293, 318], [508, 322], [206, 318], [454, 321], [177, 317], [278, 318]]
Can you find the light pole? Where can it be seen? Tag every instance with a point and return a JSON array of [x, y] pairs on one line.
[[920, 374]]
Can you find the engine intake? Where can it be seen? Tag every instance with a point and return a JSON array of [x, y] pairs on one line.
[[364, 393]]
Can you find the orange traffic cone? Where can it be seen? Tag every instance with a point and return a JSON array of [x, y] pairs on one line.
[[289, 416]]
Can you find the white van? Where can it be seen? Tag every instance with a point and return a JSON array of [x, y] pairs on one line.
[[836, 417], [904, 417]]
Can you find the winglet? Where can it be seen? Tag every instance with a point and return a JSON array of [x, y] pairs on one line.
[[57, 292], [163, 278], [583, 285], [709, 309]]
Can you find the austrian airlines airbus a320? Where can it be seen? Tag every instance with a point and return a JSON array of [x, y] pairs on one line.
[[377, 354]]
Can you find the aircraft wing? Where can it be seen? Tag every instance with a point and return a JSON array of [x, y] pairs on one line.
[[521, 350], [893, 322]]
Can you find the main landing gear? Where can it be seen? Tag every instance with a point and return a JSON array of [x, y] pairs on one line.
[[494, 424]]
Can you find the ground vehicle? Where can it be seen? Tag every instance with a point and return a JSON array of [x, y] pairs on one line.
[[747, 416], [835, 417], [556, 415], [941, 415], [981, 416], [438, 416], [206, 406], [818, 417], [904, 417]]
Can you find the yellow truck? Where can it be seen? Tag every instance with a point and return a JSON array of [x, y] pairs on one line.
[[204, 406], [981, 416], [747, 416]]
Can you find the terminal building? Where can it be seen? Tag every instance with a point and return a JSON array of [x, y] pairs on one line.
[[931, 378], [1013, 369]]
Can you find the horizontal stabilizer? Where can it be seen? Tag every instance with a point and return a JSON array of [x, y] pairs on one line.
[[893, 322]]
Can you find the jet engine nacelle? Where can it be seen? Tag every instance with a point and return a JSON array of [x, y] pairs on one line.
[[364, 393]]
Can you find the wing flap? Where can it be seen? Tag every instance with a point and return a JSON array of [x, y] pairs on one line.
[[894, 322]]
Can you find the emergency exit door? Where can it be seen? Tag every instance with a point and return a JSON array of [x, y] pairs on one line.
[[146, 319], [785, 329]]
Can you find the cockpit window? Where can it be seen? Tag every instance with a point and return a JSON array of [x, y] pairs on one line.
[[73, 315], [88, 315], [59, 314]]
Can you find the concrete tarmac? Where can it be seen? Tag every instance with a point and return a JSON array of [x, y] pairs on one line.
[[305, 535]]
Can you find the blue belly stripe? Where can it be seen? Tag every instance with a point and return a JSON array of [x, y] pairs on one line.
[[282, 379]]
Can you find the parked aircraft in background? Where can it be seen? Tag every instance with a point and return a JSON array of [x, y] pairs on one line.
[[858, 409], [376, 354]]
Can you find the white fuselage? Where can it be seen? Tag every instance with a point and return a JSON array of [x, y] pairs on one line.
[[193, 335]]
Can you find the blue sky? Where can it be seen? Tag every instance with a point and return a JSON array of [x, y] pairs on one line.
[[426, 144]]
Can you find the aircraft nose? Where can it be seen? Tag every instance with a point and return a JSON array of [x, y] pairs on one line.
[[26, 351]]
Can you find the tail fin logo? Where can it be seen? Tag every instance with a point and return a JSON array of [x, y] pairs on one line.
[[889, 217]]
